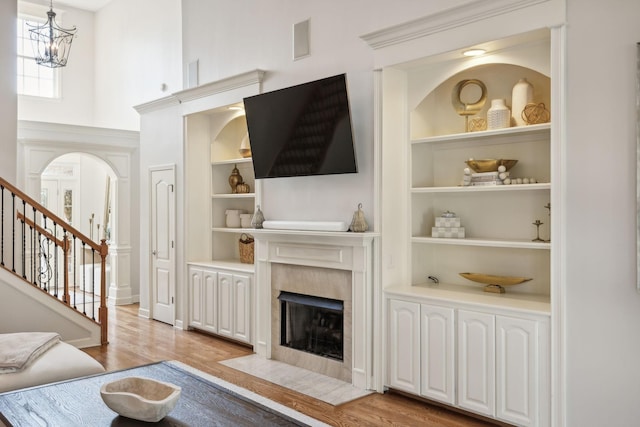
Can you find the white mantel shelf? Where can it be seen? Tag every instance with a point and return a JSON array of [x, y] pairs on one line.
[[270, 234]]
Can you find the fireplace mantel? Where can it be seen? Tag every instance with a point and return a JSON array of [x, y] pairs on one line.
[[335, 250]]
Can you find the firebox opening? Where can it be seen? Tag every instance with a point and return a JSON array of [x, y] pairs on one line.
[[312, 324]]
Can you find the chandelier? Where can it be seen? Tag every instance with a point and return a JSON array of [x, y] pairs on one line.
[[51, 43]]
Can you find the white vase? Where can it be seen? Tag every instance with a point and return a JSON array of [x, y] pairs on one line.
[[521, 95], [245, 220], [233, 217], [498, 116]]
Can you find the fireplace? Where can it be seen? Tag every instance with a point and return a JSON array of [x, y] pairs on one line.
[[311, 291], [329, 265], [312, 324]]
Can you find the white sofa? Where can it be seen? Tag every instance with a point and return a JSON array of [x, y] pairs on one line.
[[61, 362]]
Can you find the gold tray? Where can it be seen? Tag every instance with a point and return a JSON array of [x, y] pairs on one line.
[[494, 283]]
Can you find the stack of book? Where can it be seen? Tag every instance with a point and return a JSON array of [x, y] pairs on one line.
[[485, 178]]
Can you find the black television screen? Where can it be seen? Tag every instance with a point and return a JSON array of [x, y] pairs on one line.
[[302, 130]]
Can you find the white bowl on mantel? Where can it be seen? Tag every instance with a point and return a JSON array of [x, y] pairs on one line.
[[140, 398]]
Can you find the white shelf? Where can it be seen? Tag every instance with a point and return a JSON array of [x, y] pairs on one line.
[[232, 161], [543, 128], [461, 294], [495, 243], [482, 188], [233, 196], [227, 264], [233, 230]]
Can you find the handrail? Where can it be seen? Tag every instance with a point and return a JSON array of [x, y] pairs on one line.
[[38, 266]]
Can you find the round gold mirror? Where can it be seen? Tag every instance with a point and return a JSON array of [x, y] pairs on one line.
[[468, 97]]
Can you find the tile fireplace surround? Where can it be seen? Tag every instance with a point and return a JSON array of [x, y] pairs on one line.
[[286, 259]]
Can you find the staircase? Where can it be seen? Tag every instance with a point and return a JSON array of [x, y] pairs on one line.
[[41, 251]]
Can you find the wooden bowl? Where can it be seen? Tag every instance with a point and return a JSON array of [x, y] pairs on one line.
[[140, 398], [494, 283], [490, 165]]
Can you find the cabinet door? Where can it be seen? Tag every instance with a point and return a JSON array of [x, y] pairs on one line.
[[242, 307], [404, 346], [517, 370], [437, 353], [196, 316], [225, 304], [476, 362], [210, 300]]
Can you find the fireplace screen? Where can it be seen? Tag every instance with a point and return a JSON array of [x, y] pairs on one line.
[[312, 324]]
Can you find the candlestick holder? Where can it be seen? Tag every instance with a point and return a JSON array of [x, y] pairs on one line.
[[538, 223]]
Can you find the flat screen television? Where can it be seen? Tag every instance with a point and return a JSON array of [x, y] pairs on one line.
[[302, 130]]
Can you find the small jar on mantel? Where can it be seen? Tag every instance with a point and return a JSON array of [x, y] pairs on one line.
[[498, 116]]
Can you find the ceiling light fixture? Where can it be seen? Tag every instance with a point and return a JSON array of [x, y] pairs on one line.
[[474, 52], [51, 43]]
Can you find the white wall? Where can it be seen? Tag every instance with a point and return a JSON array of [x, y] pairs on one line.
[[137, 58], [261, 37], [602, 304], [8, 100], [77, 80], [121, 56]]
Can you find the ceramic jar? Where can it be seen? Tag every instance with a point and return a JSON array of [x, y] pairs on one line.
[[521, 95], [233, 218], [245, 220], [498, 116], [234, 179]]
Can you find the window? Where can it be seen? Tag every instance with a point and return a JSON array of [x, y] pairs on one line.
[[33, 79]]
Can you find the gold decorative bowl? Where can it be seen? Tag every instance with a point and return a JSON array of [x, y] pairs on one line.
[[490, 165], [494, 283], [140, 398]]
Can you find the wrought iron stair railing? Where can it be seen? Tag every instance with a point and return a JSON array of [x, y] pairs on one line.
[[46, 252]]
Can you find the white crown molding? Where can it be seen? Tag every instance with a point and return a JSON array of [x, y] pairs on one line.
[[448, 19], [202, 91], [156, 104], [222, 85]]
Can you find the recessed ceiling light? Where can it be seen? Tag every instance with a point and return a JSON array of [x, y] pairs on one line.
[[474, 52]]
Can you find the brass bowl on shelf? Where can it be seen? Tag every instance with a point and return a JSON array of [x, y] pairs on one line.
[[494, 283], [489, 165]]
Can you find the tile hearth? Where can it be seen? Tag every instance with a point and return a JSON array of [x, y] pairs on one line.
[[318, 386]]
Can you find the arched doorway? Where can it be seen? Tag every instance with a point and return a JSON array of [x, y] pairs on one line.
[[41, 144], [78, 188]]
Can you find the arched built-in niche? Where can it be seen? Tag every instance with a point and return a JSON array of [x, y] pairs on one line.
[[435, 114]]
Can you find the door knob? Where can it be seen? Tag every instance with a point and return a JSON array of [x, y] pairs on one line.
[[154, 252]]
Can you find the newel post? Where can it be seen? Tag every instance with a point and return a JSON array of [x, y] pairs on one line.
[[102, 311]]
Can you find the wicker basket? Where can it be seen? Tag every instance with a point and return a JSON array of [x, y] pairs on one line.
[[245, 245]]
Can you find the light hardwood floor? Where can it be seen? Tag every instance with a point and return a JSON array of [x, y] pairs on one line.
[[135, 341]]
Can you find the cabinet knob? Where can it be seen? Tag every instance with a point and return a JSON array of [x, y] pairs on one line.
[[154, 252]]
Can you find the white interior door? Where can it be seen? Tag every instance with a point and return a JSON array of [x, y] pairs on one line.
[[163, 227]]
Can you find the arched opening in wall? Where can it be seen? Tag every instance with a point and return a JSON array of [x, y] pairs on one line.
[[79, 188]]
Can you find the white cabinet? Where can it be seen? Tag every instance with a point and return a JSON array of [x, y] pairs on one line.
[[234, 291], [482, 359], [404, 345], [518, 371], [476, 362], [437, 355], [220, 302]]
